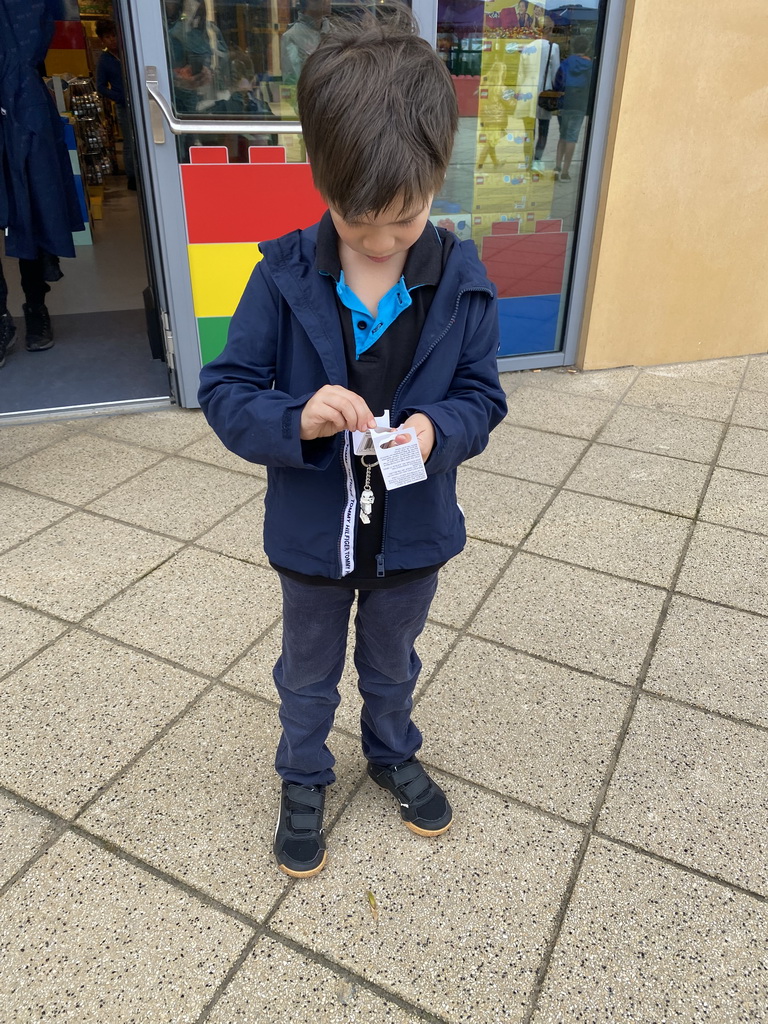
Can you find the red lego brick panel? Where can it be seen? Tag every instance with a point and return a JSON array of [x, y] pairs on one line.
[[549, 225], [505, 227], [208, 155], [521, 265], [266, 154], [68, 35], [248, 202]]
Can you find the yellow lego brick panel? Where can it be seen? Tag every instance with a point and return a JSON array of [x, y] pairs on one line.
[[219, 274], [59, 62]]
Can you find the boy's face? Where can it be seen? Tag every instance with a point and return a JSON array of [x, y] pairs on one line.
[[384, 235]]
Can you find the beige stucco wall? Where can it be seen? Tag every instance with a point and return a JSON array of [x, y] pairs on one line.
[[680, 266]]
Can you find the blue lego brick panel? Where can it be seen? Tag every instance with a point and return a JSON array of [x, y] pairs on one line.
[[528, 324]]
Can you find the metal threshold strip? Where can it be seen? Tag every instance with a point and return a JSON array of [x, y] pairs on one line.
[[68, 412]]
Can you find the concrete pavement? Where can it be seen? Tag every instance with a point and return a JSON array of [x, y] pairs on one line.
[[593, 698]]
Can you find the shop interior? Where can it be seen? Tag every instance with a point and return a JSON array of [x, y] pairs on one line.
[[101, 350]]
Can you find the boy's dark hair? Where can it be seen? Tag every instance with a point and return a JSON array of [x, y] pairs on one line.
[[580, 44], [105, 27], [379, 113]]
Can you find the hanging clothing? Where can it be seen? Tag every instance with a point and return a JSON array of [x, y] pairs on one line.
[[38, 201]]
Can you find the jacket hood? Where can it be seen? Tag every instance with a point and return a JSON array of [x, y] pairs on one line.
[[578, 71], [291, 260]]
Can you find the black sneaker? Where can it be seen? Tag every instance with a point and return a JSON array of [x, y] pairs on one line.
[[299, 837], [39, 330], [7, 332], [424, 806]]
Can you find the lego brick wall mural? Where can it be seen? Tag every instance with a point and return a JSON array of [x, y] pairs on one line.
[[252, 202]]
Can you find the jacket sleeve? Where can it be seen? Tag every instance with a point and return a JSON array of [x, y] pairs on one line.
[[237, 393], [103, 82], [475, 402]]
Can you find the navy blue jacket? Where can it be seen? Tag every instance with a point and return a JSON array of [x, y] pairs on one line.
[[285, 342], [574, 79], [38, 201], [109, 78]]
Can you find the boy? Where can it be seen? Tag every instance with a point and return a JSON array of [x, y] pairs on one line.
[[373, 309], [574, 81], [110, 85]]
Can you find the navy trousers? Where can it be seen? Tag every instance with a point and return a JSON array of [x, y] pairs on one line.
[[307, 673]]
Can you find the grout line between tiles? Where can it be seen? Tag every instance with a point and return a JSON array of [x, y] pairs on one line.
[[659, 858], [613, 760]]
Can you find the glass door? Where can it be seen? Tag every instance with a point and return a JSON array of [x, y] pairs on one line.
[[223, 156]]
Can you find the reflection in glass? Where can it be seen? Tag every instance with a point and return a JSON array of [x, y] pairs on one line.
[[513, 184]]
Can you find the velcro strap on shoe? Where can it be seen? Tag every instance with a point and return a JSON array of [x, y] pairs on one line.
[[310, 822], [306, 797], [412, 780]]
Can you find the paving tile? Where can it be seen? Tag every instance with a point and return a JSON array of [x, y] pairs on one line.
[[662, 433], [511, 381], [79, 468], [737, 499], [558, 412], [23, 833], [499, 508], [277, 985], [202, 803], [727, 566], [529, 454], [751, 409], [756, 377], [692, 397], [608, 384], [73, 716], [18, 442], [167, 430], [91, 939], [464, 581], [210, 449], [598, 534], [644, 942], [200, 609], [691, 787], [178, 497], [572, 615], [713, 657], [668, 485], [24, 632], [240, 535], [745, 448], [254, 671], [530, 730], [725, 372], [73, 566], [25, 514], [462, 919]]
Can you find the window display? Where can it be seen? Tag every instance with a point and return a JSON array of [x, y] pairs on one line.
[[514, 182]]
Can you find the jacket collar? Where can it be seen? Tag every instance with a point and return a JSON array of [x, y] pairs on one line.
[[291, 262]]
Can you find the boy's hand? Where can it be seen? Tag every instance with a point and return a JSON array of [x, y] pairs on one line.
[[332, 409], [425, 433]]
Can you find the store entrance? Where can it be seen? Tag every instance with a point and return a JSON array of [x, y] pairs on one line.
[[106, 333]]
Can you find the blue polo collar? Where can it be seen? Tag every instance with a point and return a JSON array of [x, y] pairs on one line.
[[423, 266]]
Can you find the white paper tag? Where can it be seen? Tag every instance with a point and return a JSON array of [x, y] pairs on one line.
[[362, 443], [401, 464]]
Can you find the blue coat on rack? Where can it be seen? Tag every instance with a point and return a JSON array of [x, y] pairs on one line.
[[38, 201]]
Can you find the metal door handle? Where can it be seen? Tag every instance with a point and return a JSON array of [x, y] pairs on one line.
[[161, 113]]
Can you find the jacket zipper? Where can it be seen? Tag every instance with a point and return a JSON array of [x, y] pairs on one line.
[[348, 474], [380, 557]]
